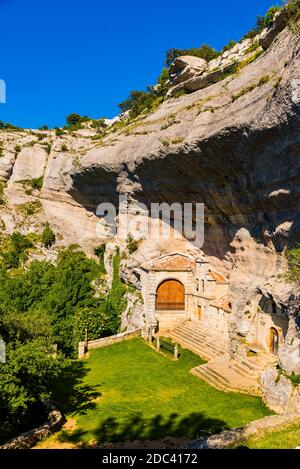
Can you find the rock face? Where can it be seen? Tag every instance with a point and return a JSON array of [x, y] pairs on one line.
[[186, 67], [269, 34], [30, 164], [279, 392], [232, 145]]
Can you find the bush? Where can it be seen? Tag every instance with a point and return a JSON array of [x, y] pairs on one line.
[[99, 252], [228, 46], [17, 150], [89, 324], [132, 244], [73, 119], [293, 9], [30, 208], [2, 197], [34, 183], [59, 132], [64, 148], [13, 252], [7, 126], [48, 237], [44, 127], [27, 380]]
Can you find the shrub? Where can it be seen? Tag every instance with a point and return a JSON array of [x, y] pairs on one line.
[[293, 273], [99, 124], [59, 132], [294, 378], [13, 252], [99, 252], [7, 126], [64, 148], [228, 46], [36, 183], [17, 150], [2, 197], [27, 380], [48, 236], [74, 119], [293, 9], [44, 127], [1, 149], [47, 147], [132, 244], [89, 323]]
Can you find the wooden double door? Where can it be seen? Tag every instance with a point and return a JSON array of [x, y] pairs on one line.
[[170, 295]]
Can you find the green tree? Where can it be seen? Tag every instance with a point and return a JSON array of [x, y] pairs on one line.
[[73, 119], [27, 380], [14, 253], [48, 236]]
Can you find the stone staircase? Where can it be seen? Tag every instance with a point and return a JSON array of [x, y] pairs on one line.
[[193, 336], [242, 375]]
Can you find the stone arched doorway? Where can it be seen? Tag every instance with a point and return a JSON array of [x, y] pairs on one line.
[[170, 295], [274, 341]]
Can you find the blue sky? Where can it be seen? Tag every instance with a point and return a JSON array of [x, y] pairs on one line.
[[62, 56]]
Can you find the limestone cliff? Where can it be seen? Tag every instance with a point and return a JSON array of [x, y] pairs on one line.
[[233, 145]]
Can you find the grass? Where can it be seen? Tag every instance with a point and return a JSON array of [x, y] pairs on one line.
[[263, 80], [287, 438], [128, 391], [30, 208]]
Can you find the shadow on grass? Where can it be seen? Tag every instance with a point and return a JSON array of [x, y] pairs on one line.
[[139, 428], [71, 395]]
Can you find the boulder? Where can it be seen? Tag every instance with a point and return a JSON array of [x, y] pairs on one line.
[[185, 67], [6, 165], [30, 164]]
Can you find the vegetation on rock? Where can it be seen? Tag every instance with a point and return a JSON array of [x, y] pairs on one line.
[[293, 273], [48, 236]]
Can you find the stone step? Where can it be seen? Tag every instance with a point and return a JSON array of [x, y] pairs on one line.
[[197, 345], [199, 349], [193, 336], [225, 379], [197, 340], [208, 378], [243, 370], [190, 332], [192, 327]]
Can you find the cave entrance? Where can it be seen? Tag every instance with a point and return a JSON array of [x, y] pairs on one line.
[[274, 341], [170, 296]]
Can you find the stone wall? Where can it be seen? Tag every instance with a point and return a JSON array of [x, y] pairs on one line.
[[279, 393], [28, 439], [113, 339]]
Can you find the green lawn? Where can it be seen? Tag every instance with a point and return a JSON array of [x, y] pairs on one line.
[[288, 438], [127, 391]]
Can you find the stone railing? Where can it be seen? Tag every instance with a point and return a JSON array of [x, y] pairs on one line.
[[112, 339], [28, 439]]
